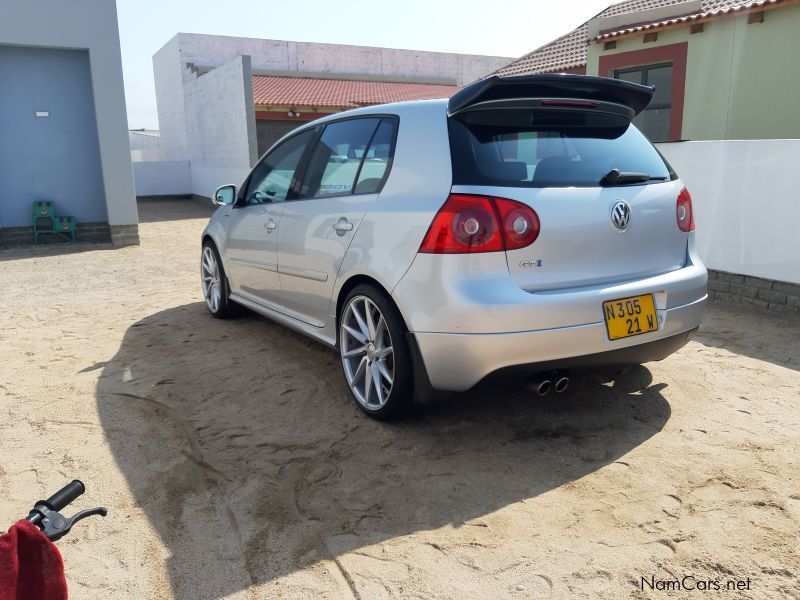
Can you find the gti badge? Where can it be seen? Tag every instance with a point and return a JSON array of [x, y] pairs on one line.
[[621, 215], [531, 263]]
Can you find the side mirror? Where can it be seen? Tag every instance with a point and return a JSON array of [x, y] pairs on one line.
[[224, 195]]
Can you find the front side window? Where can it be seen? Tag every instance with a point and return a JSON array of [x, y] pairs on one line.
[[654, 120], [271, 180], [351, 156]]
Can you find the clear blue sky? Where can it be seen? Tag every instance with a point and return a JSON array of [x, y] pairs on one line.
[[499, 28]]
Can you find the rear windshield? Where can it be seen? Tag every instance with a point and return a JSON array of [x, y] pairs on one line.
[[548, 148]]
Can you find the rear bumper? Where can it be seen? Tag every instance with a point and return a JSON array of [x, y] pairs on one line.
[[457, 361]]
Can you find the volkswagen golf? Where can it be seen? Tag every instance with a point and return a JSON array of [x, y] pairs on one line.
[[524, 224]]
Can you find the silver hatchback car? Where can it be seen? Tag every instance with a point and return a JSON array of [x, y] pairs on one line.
[[523, 224]]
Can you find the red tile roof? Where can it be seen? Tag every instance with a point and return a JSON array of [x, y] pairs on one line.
[[569, 50], [709, 8], [564, 53], [340, 93]]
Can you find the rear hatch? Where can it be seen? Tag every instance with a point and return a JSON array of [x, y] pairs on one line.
[[605, 198]]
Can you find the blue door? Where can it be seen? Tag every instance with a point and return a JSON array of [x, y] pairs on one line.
[[55, 155]]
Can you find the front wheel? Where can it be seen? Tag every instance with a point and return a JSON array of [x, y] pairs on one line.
[[215, 283], [375, 357]]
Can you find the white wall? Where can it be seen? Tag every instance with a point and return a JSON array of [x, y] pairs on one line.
[[162, 178], [140, 140], [145, 147], [205, 180], [92, 25], [746, 202]]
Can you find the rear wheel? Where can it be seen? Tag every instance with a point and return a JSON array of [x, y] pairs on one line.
[[375, 357], [215, 284]]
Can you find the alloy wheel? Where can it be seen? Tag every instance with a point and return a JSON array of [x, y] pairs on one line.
[[212, 291], [367, 355]]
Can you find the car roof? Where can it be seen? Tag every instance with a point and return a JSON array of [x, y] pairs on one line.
[[392, 108], [408, 108]]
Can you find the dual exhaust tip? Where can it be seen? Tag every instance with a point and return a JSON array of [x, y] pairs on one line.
[[543, 385]]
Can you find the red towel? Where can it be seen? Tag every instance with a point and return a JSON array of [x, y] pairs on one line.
[[30, 565]]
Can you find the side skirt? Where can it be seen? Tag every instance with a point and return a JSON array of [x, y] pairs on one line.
[[317, 333]]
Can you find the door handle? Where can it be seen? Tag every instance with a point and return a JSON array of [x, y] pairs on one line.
[[270, 225], [343, 225]]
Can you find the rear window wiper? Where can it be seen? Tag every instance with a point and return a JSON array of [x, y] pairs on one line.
[[617, 177]]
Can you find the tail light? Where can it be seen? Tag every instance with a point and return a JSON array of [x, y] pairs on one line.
[[684, 211], [469, 223]]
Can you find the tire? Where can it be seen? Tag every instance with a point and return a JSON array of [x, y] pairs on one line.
[[367, 354], [214, 283]]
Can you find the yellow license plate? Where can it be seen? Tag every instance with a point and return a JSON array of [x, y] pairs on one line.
[[630, 316]]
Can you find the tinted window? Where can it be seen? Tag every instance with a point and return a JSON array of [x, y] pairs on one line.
[[377, 160], [653, 120], [272, 177], [548, 148], [335, 161]]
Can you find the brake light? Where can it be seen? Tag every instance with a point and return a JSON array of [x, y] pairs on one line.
[[684, 211], [468, 223], [560, 102]]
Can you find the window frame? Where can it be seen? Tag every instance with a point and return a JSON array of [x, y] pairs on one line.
[[677, 53], [645, 69], [306, 158]]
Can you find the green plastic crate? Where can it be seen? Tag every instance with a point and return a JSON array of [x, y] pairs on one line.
[[44, 208], [45, 221]]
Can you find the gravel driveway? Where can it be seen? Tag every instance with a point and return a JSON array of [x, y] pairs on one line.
[[235, 465]]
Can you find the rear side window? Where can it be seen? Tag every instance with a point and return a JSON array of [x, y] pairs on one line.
[[547, 148], [378, 159], [352, 156]]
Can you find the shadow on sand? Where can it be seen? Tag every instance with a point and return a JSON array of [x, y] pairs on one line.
[[760, 334], [250, 460]]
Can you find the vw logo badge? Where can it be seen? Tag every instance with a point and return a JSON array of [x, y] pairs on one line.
[[621, 215]]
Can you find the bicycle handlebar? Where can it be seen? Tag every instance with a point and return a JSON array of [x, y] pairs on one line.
[[46, 516], [66, 495]]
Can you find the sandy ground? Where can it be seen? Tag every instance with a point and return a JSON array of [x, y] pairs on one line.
[[234, 464]]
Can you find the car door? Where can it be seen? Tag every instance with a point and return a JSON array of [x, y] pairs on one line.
[[344, 176], [252, 242]]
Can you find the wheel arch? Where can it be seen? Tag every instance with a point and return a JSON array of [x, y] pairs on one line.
[[356, 280], [208, 236], [423, 390]]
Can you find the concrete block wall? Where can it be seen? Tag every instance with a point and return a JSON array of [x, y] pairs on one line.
[[168, 73], [309, 57], [91, 233], [778, 296], [218, 123]]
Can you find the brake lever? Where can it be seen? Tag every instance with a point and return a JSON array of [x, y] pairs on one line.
[[55, 525]]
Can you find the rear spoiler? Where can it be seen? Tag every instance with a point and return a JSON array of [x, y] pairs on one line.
[[551, 85]]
